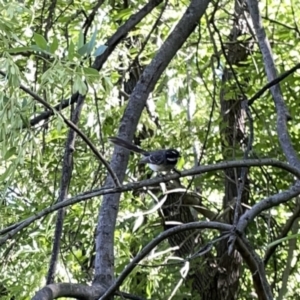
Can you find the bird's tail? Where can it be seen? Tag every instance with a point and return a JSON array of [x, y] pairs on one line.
[[127, 145]]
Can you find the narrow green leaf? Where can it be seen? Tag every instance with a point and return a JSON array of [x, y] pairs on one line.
[[92, 42], [90, 72], [83, 50], [80, 42], [40, 41], [54, 45], [8, 172], [10, 153], [19, 49], [71, 51]]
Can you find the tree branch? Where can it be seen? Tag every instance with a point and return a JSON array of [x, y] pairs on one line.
[[284, 231], [272, 83], [78, 291], [282, 112], [76, 129], [14, 229], [151, 245], [104, 260], [65, 181], [266, 203], [258, 268], [111, 44]]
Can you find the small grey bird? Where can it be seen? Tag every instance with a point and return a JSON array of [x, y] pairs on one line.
[[158, 160]]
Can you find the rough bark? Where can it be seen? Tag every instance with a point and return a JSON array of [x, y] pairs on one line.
[[234, 141], [218, 277]]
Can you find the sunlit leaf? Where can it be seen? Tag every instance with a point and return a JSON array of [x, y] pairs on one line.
[[40, 41]]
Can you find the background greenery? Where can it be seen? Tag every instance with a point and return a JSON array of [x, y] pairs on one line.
[[51, 54]]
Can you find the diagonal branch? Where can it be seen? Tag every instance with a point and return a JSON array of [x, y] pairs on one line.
[[65, 181], [111, 44], [285, 230], [265, 204], [151, 245], [257, 267], [272, 83], [73, 127], [270, 68], [109, 209]]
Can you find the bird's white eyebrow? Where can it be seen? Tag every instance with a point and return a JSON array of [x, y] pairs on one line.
[[171, 159]]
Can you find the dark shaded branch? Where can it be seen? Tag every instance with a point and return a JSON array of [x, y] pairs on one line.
[[58, 107], [272, 83], [14, 229], [251, 263], [285, 230], [257, 267], [266, 203], [75, 128], [243, 177], [67, 168], [123, 31], [90, 18], [161, 237]]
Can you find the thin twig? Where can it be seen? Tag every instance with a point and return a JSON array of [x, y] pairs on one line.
[[272, 83]]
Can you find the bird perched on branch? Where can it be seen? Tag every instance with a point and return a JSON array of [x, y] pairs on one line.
[[158, 160]]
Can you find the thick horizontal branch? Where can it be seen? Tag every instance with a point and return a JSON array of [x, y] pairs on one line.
[[78, 291], [15, 228]]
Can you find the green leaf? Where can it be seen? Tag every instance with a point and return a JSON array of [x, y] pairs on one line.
[[80, 42], [92, 42], [54, 45], [40, 41], [19, 49], [8, 172], [180, 163], [10, 153], [83, 50], [279, 241], [79, 86], [88, 47], [71, 51], [124, 13], [90, 72]]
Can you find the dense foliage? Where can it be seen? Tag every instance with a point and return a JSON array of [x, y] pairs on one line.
[[48, 52]]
